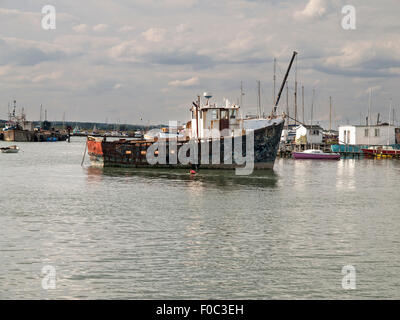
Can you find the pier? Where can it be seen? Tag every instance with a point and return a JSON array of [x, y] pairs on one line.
[[286, 150]]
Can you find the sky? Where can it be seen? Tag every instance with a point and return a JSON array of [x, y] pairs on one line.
[[145, 61]]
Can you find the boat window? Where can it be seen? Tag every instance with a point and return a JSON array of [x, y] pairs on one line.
[[224, 114], [376, 132], [193, 114], [315, 132], [366, 133], [233, 114], [214, 114]]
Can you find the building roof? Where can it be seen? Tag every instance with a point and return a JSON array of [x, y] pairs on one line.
[[366, 126], [311, 127]]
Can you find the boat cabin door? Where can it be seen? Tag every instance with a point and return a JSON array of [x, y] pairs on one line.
[[224, 122]]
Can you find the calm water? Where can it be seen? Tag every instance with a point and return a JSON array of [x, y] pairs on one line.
[[165, 234]]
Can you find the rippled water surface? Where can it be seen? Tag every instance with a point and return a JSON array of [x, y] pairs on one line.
[[117, 233]]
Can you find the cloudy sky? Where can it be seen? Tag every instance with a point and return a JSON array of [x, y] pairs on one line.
[[124, 60]]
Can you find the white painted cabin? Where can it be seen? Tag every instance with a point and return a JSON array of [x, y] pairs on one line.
[[382, 134], [211, 117], [307, 134]]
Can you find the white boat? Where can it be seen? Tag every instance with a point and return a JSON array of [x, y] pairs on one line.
[[316, 154], [10, 149]]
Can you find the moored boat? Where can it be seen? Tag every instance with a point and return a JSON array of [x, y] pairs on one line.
[[10, 149], [216, 137], [316, 154], [381, 150]]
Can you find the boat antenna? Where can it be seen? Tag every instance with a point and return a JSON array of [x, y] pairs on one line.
[[284, 81]]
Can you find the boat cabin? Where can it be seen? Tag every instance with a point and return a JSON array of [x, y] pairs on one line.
[[211, 117]]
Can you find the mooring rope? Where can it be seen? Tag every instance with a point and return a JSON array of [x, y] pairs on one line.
[[84, 154]]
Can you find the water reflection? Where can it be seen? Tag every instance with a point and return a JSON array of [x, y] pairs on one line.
[[345, 174], [217, 178]]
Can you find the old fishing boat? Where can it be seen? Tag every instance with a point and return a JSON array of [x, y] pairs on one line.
[[216, 137]]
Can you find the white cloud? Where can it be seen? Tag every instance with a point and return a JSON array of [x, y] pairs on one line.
[[154, 34], [126, 29], [313, 9], [100, 27], [184, 83], [47, 76], [80, 28]]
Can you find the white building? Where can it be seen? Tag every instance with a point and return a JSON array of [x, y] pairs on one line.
[[382, 134], [306, 134]]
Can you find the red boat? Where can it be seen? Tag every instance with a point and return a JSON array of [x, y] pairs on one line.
[[384, 150]]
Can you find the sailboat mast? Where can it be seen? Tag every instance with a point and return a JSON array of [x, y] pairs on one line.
[[312, 106], [302, 101], [287, 104], [259, 98], [274, 98], [369, 115], [330, 113], [241, 94], [295, 95], [390, 113]]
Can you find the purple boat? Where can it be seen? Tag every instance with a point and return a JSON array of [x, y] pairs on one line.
[[316, 154]]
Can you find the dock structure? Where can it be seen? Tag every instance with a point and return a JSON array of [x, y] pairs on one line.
[[286, 150]]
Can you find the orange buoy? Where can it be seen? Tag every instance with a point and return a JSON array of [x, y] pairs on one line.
[[192, 172]]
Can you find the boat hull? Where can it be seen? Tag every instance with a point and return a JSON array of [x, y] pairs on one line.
[[301, 155], [14, 135], [132, 154], [380, 151]]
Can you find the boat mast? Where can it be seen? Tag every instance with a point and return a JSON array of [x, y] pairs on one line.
[[295, 95], [369, 115], [330, 113], [284, 81], [259, 98], [390, 113], [197, 117], [287, 105], [274, 81], [241, 94], [302, 101], [312, 106]]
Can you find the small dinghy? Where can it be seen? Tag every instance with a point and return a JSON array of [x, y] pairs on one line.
[[316, 154], [10, 149]]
